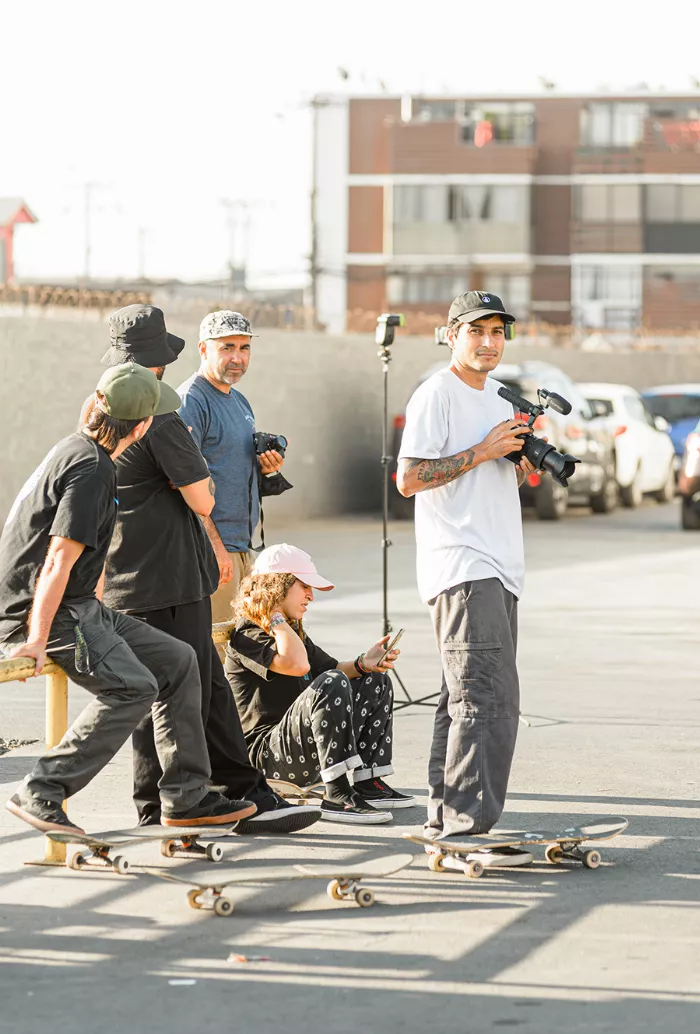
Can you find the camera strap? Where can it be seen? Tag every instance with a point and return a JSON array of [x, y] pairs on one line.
[[255, 471]]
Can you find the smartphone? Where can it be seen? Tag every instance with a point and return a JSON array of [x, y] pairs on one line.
[[391, 646]]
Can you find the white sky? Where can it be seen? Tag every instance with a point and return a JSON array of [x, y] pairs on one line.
[[170, 107]]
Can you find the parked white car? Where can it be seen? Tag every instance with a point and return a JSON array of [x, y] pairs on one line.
[[643, 448]]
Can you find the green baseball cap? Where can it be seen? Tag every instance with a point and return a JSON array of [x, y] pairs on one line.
[[133, 392]]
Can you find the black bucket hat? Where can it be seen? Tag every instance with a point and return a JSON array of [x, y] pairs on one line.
[[137, 334]]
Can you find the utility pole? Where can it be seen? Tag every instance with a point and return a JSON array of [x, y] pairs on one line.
[[87, 200], [142, 233]]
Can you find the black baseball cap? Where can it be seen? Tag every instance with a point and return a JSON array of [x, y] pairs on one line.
[[138, 334], [476, 305]]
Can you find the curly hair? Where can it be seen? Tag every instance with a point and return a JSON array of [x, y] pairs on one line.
[[259, 595]]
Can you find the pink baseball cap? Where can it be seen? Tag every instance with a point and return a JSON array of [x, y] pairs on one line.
[[286, 559]]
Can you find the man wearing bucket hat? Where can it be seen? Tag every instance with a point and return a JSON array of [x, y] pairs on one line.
[[223, 426], [306, 715], [52, 553], [161, 568]]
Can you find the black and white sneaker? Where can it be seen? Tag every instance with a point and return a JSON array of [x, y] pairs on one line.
[[353, 809], [48, 816], [275, 815], [380, 795]]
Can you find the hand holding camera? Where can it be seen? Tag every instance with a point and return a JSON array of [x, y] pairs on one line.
[[270, 450]]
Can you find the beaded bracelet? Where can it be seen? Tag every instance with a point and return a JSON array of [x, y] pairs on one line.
[[360, 666], [277, 619]]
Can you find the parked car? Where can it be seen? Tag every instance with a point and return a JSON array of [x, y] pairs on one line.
[[689, 482], [582, 433], [644, 452], [679, 405]]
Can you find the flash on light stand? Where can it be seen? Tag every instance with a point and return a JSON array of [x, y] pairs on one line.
[[386, 328]]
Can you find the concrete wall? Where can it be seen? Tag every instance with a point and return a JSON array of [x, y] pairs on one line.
[[323, 392]]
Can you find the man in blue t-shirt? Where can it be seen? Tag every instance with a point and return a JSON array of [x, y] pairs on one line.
[[222, 424]]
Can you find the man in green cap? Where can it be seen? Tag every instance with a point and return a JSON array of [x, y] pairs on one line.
[[52, 554]]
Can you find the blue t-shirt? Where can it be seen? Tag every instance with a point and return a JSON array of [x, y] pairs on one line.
[[223, 427]]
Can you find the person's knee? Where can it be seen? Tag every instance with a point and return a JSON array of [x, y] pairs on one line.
[[144, 685], [182, 660], [333, 684]]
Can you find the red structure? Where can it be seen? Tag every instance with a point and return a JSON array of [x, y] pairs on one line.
[[13, 210]]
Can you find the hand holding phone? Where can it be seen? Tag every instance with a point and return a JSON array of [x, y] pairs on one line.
[[391, 646]]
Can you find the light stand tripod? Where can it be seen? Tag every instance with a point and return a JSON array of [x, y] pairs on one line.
[[384, 337]]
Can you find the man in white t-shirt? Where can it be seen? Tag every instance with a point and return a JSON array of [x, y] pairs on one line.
[[470, 564]]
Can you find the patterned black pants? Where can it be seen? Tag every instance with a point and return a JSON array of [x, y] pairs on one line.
[[334, 727]]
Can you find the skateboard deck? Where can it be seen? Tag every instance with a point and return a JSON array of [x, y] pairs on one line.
[[174, 840], [298, 794], [561, 845], [345, 880]]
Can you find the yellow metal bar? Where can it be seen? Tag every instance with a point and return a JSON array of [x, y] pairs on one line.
[[56, 727]]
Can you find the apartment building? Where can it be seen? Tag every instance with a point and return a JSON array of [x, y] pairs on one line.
[[580, 210]]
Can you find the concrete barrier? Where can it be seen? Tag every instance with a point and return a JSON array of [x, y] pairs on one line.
[[323, 392]]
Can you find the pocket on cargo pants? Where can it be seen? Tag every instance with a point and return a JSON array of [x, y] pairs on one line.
[[471, 672]]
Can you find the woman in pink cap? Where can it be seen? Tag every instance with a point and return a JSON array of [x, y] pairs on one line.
[[305, 714]]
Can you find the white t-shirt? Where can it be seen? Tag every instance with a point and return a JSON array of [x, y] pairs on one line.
[[470, 528]]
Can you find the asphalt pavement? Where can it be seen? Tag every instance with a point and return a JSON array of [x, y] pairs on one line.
[[610, 675]]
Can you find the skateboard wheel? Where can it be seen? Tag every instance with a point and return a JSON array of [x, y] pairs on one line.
[[223, 907], [335, 890], [76, 861], [193, 898], [475, 870], [591, 859], [214, 852], [554, 854], [435, 862], [168, 848], [120, 864], [364, 897]]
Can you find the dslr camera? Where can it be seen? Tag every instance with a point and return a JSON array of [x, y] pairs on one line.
[[265, 442], [540, 453]]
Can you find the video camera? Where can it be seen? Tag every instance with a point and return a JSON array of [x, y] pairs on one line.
[[540, 453]]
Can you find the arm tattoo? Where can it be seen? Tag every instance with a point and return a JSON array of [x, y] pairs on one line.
[[433, 473], [212, 487]]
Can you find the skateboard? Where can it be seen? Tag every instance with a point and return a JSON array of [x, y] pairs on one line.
[[561, 845], [298, 794], [174, 840], [345, 880]]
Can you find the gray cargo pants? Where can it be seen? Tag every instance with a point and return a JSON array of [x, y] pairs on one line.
[[476, 722], [131, 669]]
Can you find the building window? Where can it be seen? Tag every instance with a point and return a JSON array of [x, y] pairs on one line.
[[498, 123], [460, 203], [618, 284], [673, 203], [608, 203], [421, 204], [611, 124], [441, 288], [433, 111]]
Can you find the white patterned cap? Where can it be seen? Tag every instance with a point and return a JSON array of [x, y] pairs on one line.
[[224, 323]]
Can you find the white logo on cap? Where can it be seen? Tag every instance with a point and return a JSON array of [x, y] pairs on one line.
[[485, 298]]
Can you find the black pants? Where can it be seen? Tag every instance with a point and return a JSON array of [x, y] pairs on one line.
[[228, 756], [334, 727]]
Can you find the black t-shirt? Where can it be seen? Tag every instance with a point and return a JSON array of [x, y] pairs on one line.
[[72, 494], [263, 696], [160, 555]]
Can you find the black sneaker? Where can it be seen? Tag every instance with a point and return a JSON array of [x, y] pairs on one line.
[[212, 810], [380, 795], [275, 815], [355, 809], [48, 816]]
